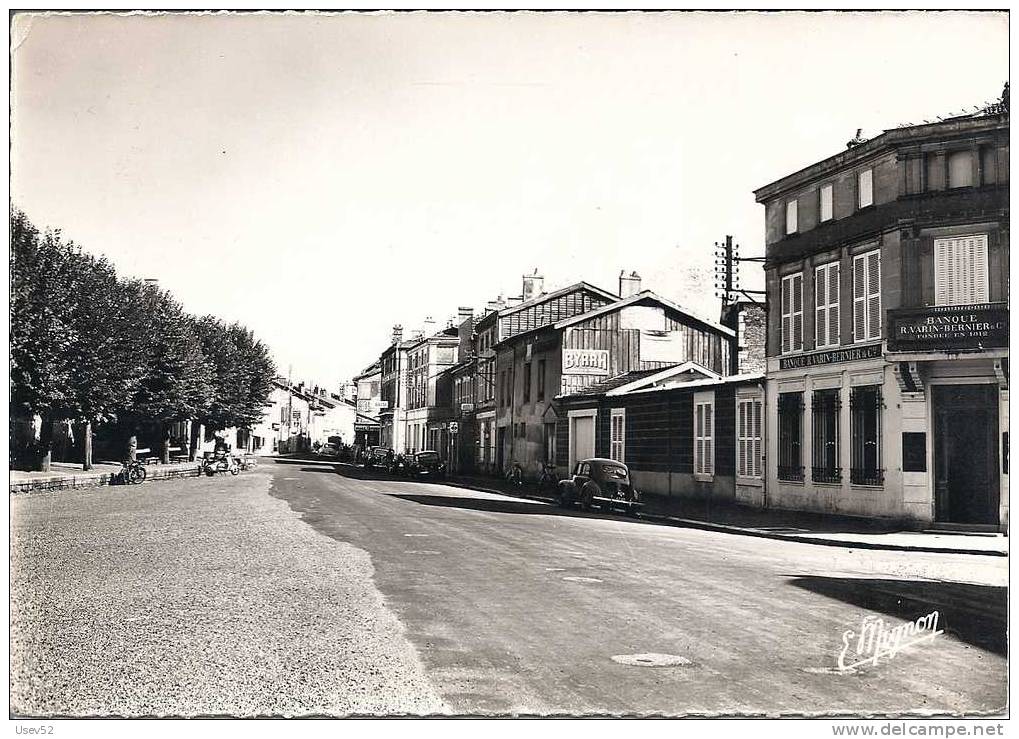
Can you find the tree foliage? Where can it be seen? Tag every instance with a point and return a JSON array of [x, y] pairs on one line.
[[242, 373]]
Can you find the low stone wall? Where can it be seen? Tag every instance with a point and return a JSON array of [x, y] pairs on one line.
[[90, 479]]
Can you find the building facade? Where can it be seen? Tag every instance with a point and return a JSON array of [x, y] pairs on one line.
[[428, 406], [887, 351]]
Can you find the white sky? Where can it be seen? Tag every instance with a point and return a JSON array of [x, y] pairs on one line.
[[321, 178]]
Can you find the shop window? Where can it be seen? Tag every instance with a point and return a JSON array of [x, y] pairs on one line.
[[617, 434], [865, 431], [826, 305], [960, 270], [704, 431], [825, 201], [867, 296], [865, 188], [792, 313], [748, 437], [790, 436], [825, 449]]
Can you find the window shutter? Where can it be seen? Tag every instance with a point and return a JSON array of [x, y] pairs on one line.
[[742, 445], [820, 307], [786, 315], [833, 303], [797, 305], [757, 439], [698, 438], [874, 295], [709, 461], [859, 298], [960, 270], [865, 186]]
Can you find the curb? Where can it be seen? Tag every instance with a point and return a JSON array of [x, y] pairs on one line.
[[691, 523], [76, 482]]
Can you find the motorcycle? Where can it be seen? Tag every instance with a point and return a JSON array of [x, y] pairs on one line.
[[221, 463]]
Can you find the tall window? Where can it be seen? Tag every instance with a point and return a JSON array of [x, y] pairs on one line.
[[790, 217], [790, 436], [960, 169], [865, 188], [826, 305], [549, 438], [704, 432], [865, 430], [825, 422], [617, 434], [792, 313], [527, 382], [748, 437], [541, 379], [867, 296], [825, 202], [960, 270]]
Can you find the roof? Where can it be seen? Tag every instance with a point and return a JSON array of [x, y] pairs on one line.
[[538, 300], [636, 298], [600, 388], [616, 386]]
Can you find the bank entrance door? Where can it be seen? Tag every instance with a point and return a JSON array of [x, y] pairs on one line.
[[966, 454]]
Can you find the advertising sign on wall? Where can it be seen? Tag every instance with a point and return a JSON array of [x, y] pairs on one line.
[[948, 327], [585, 361]]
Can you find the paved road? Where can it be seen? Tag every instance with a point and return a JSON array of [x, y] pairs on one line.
[[516, 606], [298, 590]]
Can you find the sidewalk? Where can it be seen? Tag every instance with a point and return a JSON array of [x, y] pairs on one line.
[[63, 475], [800, 526]]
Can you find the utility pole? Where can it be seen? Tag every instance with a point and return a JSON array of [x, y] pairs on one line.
[[727, 261]]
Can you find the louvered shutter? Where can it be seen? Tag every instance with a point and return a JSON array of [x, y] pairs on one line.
[[833, 304], [960, 270], [821, 306], [699, 438], [797, 309], [709, 460], [786, 315], [756, 457], [859, 298], [874, 295]]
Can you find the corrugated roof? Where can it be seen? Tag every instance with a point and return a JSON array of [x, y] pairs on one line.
[[618, 381]]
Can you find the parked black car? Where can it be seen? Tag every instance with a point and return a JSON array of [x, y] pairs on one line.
[[425, 464], [378, 456], [602, 482]]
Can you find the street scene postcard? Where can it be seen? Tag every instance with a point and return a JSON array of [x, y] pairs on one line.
[[515, 364]]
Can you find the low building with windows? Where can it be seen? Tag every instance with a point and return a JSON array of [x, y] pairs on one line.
[[887, 358]]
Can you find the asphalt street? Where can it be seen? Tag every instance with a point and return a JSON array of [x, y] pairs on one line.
[[308, 588]]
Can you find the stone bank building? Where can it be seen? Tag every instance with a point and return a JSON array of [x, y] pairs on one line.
[[887, 349]]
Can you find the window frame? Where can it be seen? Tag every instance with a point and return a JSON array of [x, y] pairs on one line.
[[527, 382], [820, 470], [942, 270], [865, 300], [749, 436], [792, 314], [828, 306], [617, 420], [790, 401], [830, 187], [704, 436], [541, 380], [869, 172], [859, 472], [792, 216]]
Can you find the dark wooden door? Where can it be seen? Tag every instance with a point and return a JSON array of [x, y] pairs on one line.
[[966, 453]]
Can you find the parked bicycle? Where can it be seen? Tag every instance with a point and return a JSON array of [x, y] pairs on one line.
[[548, 481], [515, 475], [132, 472]]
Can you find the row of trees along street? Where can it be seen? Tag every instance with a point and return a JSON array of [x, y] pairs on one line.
[[92, 348]]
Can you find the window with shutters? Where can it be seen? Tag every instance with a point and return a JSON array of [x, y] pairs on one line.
[[825, 200], [792, 313], [960, 270], [865, 431], [865, 188], [790, 436], [748, 436], [867, 296], [826, 305], [790, 217], [825, 424], [704, 432], [617, 434]]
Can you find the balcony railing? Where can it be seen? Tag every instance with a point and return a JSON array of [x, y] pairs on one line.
[[790, 473], [866, 476], [826, 474]]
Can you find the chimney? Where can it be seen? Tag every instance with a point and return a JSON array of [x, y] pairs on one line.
[[534, 285], [397, 334], [628, 284], [429, 326], [464, 314]]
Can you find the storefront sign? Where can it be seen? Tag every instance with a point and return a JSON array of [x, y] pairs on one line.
[[467, 407], [835, 356], [585, 361], [948, 327]]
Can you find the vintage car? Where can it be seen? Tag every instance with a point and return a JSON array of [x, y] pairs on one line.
[[378, 456], [600, 482], [425, 464]]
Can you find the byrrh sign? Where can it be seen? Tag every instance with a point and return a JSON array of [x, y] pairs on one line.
[[585, 361], [948, 327]]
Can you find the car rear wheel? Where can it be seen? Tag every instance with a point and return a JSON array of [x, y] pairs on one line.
[[586, 505]]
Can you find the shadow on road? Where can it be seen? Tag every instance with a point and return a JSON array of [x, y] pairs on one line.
[[511, 505], [975, 614]]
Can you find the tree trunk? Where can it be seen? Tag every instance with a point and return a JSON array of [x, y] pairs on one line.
[[164, 443], [132, 446], [196, 433], [86, 439], [45, 443]]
